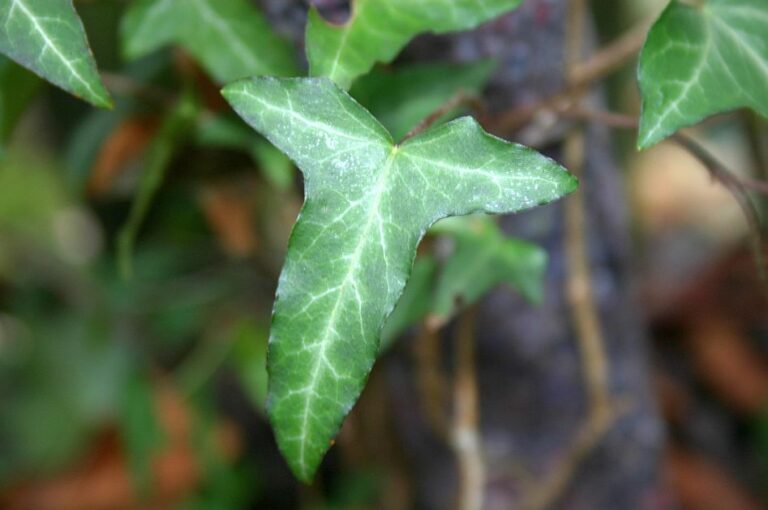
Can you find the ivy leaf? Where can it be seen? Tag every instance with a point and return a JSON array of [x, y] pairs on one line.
[[700, 60], [230, 38], [368, 203], [378, 29], [47, 37], [403, 97], [482, 259]]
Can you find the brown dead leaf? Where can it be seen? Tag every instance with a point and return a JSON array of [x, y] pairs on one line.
[[701, 485], [125, 145]]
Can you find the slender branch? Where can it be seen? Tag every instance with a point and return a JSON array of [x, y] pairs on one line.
[[430, 379], [737, 188], [621, 121], [461, 98], [465, 436], [612, 57], [580, 76], [588, 437], [580, 295]]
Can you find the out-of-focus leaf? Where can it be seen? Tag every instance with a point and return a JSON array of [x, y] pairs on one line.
[[31, 192], [17, 89], [140, 429], [402, 97], [172, 132], [47, 37], [230, 38], [484, 258], [250, 360], [414, 304], [700, 60], [222, 131], [368, 202], [68, 385], [378, 29]]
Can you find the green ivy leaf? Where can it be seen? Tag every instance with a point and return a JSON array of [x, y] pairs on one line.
[[700, 60], [378, 29], [401, 98], [368, 203], [482, 259], [47, 37], [230, 38]]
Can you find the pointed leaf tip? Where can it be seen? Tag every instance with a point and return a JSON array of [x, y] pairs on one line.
[[48, 38]]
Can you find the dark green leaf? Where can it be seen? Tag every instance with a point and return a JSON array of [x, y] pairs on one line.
[[378, 29], [230, 38], [18, 89], [484, 258], [47, 37]]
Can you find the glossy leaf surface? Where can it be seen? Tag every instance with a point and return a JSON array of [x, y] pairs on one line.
[[47, 37], [700, 60], [378, 29], [367, 204]]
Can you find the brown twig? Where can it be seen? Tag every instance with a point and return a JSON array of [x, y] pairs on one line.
[[580, 296], [461, 98], [621, 121], [597, 67], [588, 437], [737, 187], [431, 380], [465, 436]]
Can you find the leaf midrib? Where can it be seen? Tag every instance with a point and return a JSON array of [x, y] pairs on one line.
[[349, 278], [48, 43]]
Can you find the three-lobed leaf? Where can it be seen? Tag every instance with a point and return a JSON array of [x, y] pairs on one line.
[[230, 38], [378, 29], [700, 60], [47, 37], [368, 202]]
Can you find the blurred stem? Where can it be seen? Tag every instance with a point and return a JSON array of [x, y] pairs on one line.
[[580, 76], [579, 284], [430, 378], [159, 154], [461, 98], [580, 295], [465, 435]]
